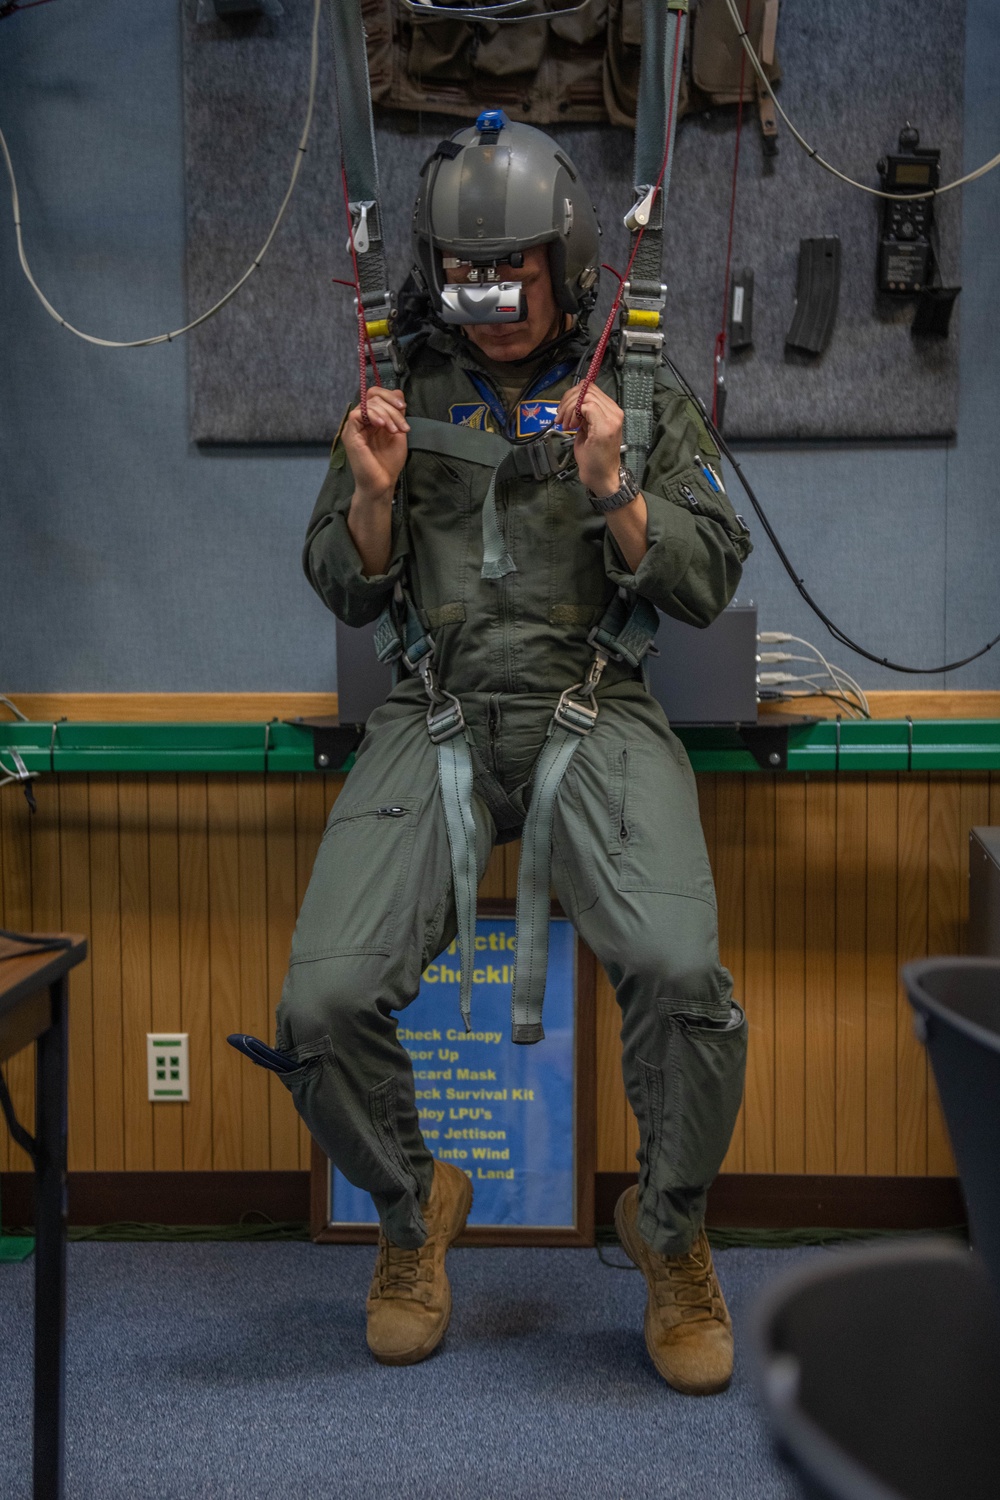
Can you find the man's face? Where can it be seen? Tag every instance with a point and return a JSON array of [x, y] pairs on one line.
[[503, 341]]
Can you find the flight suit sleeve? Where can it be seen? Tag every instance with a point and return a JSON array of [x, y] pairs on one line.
[[330, 558], [697, 543]]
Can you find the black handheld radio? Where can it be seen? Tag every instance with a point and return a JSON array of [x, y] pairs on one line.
[[906, 258]]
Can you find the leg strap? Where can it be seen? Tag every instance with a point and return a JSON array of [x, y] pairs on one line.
[[455, 776], [533, 881]]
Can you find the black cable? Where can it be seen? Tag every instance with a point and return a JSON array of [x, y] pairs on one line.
[[771, 534]]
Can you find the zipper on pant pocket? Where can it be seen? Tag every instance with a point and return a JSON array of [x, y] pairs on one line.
[[390, 812], [622, 824]]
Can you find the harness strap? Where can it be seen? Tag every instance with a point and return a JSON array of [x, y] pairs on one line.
[[627, 629], [475, 445], [625, 633], [641, 338], [455, 777], [357, 145], [497, 561], [533, 881], [548, 454]]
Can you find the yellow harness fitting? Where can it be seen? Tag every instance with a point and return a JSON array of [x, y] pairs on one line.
[[640, 319]]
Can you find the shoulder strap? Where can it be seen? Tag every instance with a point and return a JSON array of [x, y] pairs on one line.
[[357, 145], [641, 339]]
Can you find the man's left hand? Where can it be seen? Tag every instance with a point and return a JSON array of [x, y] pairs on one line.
[[597, 446]]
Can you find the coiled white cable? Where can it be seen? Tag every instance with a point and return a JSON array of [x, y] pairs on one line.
[[863, 187], [166, 338]]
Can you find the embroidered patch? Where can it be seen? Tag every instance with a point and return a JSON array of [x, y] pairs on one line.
[[535, 416], [470, 414]]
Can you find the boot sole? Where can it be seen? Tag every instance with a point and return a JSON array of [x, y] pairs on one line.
[[632, 1243], [421, 1352]]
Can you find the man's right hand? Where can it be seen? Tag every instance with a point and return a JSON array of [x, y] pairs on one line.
[[377, 451]]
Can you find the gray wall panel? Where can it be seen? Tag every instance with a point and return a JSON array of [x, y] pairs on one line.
[[899, 59]]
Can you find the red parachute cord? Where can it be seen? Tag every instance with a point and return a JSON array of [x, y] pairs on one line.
[[365, 351], [719, 353], [602, 343]]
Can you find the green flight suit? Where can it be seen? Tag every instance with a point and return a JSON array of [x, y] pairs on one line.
[[629, 860]]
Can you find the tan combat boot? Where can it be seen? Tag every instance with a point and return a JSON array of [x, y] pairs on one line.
[[689, 1333], [409, 1303]]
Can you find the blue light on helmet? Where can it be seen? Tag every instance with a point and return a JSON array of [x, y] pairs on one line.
[[491, 119]]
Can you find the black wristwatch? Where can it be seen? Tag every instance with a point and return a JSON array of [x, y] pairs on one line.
[[627, 491]]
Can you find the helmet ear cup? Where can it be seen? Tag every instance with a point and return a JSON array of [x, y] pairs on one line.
[[563, 292]]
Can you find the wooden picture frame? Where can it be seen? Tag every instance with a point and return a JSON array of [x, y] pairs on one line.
[[581, 1232]]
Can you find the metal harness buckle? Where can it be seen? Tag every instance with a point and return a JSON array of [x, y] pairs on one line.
[[574, 715], [549, 454], [445, 718]]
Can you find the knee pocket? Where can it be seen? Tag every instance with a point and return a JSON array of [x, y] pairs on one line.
[[691, 1101]]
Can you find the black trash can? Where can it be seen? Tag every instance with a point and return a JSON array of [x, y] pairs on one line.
[[880, 1370], [956, 1003]]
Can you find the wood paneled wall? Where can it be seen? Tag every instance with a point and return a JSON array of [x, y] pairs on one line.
[[826, 885], [188, 887]]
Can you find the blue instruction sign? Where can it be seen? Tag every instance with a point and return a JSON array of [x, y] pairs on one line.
[[502, 1113]]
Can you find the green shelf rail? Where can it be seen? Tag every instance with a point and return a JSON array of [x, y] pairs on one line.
[[290, 747]]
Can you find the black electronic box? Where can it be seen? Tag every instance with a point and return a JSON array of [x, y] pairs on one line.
[[906, 259]]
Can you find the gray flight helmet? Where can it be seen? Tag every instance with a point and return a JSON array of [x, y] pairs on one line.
[[499, 187]]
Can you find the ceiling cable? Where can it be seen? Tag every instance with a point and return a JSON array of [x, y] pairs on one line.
[[835, 630]]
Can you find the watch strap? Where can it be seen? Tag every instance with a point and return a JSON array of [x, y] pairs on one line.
[[627, 491]]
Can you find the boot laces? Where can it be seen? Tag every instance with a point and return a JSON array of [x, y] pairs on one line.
[[687, 1282], [403, 1273]]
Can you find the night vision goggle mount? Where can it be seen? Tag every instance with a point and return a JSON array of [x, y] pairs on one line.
[[482, 298]]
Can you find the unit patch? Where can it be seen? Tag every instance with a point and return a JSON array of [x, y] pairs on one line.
[[535, 416], [470, 414]]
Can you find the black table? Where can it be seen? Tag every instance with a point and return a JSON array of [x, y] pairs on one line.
[[33, 1008]]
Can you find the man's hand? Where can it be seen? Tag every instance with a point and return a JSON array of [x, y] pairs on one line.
[[377, 452], [597, 450], [597, 446]]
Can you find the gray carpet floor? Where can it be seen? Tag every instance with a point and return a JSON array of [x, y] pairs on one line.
[[216, 1370]]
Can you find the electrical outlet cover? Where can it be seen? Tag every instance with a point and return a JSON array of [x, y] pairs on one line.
[[167, 1067]]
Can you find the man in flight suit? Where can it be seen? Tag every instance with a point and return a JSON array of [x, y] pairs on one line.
[[629, 860]]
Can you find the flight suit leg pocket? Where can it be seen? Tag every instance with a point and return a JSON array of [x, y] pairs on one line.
[[655, 839], [359, 881]]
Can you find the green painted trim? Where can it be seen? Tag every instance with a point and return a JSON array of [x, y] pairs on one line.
[[15, 1247], [870, 745]]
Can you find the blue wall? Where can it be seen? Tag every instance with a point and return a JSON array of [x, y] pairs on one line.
[[130, 561]]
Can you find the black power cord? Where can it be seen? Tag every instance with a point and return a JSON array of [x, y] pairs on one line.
[[772, 536]]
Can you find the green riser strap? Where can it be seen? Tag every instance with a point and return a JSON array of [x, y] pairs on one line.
[[533, 881], [455, 777]]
